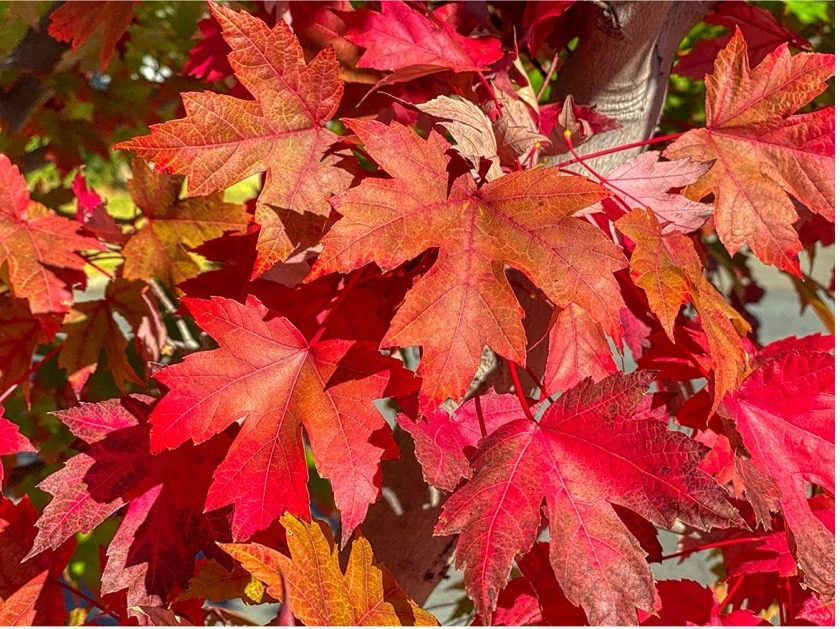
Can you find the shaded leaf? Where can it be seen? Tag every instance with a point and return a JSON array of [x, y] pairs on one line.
[[20, 334], [29, 592], [77, 22], [215, 582], [11, 441], [687, 602], [91, 327], [164, 525], [762, 34], [160, 248]]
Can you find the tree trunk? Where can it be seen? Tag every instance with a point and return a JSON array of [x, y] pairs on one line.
[[624, 74]]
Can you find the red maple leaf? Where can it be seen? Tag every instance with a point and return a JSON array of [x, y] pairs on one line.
[[541, 21], [415, 44], [76, 22], [224, 139], [762, 33], [577, 349], [164, 525], [818, 611], [763, 150], [464, 301], [597, 445], [91, 212], [535, 598], [208, 58], [784, 417], [686, 602], [29, 590], [11, 441], [37, 246], [444, 444], [266, 372]]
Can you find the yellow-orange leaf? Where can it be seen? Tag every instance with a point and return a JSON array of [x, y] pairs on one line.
[[319, 594], [160, 247], [667, 268]]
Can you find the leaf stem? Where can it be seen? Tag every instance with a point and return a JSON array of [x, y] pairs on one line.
[[721, 544], [534, 377], [789, 603], [490, 91], [480, 415], [567, 136], [517, 385], [731, 592], [189, 342], [551, 70], [30, 371], [624, 147]]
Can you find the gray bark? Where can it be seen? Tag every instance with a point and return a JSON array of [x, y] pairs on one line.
[[624, 74]]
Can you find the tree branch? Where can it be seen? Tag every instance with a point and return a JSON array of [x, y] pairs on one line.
[[34, 58], [401, 528]]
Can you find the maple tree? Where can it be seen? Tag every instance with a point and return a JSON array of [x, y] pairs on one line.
[[322, 304]]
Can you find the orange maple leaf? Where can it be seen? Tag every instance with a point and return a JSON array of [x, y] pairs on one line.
[[36, 245], [224, 139], [667, 268], [763, 150], [464, 302]]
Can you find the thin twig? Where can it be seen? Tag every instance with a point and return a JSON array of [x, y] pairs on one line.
[[98, 604], [731, 592], [551, 70], [30, 371], [491, 91], [480, 415], [534, 377], [710, 546], [183, 329]]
